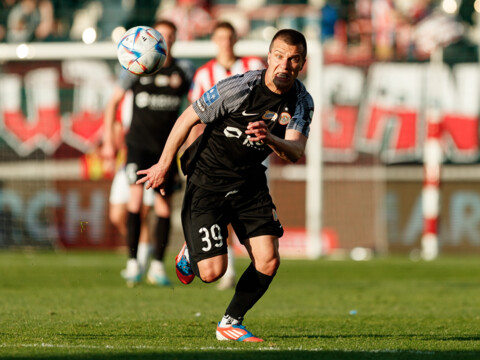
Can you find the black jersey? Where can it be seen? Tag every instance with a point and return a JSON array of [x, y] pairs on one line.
[[156, 104], [225, 158]]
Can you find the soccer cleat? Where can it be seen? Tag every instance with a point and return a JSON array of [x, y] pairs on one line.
[[156, 274], [160, 280], [132, 273], [182, 266], [236, 333]]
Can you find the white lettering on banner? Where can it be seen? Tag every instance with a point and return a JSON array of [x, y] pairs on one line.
[[380, 114], [93, 84], [36, 223], [461, 223], [11, 209], [93, 215], [389, 117], [341, 100], [41, 128], [465, 218], [32, 217]]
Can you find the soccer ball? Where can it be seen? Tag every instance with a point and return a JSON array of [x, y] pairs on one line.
[[142, 50]]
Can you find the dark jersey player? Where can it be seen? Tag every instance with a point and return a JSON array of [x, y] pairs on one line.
[[156, 104], [247, 117]]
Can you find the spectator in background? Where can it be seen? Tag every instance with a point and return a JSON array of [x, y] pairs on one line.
[[191, 17], [225, 64], [5, 8], [30, 20]]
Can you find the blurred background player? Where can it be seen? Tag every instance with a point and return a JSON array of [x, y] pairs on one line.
[[225, 64], [157, 100], [120, 189]]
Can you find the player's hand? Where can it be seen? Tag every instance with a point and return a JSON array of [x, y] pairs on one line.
[[154, 177], [258, 131]]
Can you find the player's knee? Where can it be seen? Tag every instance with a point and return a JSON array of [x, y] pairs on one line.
[[268, 267], [117, 218], [209, 277], [211, 270]]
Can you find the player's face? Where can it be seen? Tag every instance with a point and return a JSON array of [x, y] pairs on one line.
[[168, 34], [225, 40], [284, 63]]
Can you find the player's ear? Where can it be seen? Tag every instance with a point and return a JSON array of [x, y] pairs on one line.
[[303, 64]]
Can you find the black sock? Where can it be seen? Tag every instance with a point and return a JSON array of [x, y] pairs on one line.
[[162, 231], [133, 233], [250, 288]]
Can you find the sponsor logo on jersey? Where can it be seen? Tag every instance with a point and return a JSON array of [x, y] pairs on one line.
[[157, 102], [248, 114], [233, 192], [161, 80], [270, 115], [146, 80], [175, 80], [211, 96], [231, 131], [284, 118]]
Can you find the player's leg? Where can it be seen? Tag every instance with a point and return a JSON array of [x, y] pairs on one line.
[[133, 272], [157, 274], [228, 280], [252, 285], [119, 194], [256, 223], [204, 222], [144, 244]]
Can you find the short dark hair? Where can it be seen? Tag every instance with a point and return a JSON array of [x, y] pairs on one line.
[[224, 25], [166, 23], [291, 37]]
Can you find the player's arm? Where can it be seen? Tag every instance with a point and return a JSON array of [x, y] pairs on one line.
[[156, 174], [108, 146], [290, 149]]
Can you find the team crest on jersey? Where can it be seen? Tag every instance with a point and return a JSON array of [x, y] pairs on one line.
[[270, 115], [284, 118], [211, 96]]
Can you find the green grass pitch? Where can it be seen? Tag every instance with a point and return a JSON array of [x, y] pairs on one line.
[[75, 306]]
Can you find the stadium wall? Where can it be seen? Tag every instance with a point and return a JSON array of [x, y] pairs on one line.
[[54, 193]]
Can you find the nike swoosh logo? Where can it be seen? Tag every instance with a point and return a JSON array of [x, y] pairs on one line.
[[247, 114]]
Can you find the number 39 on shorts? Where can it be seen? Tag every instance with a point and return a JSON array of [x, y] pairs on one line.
[[211, 237]]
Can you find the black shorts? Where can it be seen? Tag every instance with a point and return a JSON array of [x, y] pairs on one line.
[[206, 214], [138, 159]]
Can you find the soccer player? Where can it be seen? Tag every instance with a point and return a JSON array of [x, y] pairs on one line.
[[225, 64], [156, 103], [248, 116], [120, 189]]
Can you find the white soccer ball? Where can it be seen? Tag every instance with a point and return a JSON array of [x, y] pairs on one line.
[[142, 50]]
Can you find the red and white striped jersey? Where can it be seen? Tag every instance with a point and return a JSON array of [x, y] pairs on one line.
[[212, 72]]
